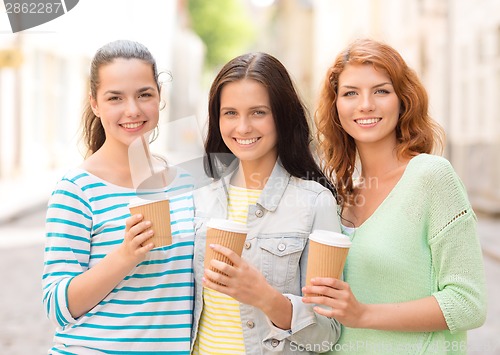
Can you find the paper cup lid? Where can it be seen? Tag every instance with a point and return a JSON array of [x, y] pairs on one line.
[[140, 201], [227, 225], [330, 238]]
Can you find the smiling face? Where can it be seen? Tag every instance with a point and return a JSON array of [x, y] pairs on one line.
[[367, 104], [127, 101], [246, 122]]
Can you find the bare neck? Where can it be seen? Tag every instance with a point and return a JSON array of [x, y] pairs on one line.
[[253, 175], [380, 160], [111, 165]]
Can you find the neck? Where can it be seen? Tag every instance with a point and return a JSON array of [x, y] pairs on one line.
[[111, 165], [377, 161], [116, 157], [253, 175]]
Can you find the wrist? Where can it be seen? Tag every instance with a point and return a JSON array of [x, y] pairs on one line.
[[365, 317], [275, 302], [268, 300], [121, 259]]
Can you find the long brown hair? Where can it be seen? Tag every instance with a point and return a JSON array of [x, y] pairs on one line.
[[416, 131], [289, 113], [93, 131]]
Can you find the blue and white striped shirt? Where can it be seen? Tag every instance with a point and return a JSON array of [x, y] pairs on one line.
[[150, 311]]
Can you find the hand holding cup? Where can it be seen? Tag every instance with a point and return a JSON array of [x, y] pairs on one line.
[[327, 255], [158, 213]]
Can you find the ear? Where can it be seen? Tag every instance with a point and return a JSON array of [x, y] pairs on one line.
[[93, 105]]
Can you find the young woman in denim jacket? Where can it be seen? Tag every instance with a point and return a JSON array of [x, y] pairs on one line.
[[258, 133]]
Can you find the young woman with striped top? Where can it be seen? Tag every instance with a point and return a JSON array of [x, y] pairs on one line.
[[258, 133], [107, 289]]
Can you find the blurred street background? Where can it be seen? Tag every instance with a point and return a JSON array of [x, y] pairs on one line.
[[454, 45]]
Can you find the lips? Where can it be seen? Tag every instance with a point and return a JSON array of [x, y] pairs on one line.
[[247, 141], [132, 125], [368, 121]]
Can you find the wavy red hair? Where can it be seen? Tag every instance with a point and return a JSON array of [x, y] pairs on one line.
[[416, 131]]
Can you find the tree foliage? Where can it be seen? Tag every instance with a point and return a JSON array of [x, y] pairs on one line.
[[224, 27]]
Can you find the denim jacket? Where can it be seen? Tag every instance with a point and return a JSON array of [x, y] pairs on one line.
[[288, 210]]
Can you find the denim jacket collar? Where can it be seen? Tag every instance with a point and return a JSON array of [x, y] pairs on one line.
[[271, 194]]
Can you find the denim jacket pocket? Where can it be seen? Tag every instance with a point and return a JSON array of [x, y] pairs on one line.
[[280, 259]]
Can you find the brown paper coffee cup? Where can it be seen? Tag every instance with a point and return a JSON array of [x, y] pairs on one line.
[[158, 212], [227, 233], [327, 255]]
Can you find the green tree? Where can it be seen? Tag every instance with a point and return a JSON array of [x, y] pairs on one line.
[[224, 26]]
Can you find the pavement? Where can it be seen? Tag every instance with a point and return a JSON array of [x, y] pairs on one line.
[[24, 328], [23, 194]]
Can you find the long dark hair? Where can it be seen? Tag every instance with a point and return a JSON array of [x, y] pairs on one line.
[[93, 131], [290, 117]]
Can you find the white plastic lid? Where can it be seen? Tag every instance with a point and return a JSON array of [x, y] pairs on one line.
[[227, 225], [140, 201], [330, 238]]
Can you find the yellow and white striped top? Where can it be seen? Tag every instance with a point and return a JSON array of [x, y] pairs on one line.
[[220, 329]]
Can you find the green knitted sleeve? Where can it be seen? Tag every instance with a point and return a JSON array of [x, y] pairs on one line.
[[456, 252]]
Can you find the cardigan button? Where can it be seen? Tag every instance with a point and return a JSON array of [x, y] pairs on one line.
[[250, 324]]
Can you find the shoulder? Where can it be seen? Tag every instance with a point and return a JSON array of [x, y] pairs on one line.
[[437, 184], [317, 194], [182, 177], [308, 186], [206, 195], [432, 165], [74, 189], [433, 171], [76, 177]]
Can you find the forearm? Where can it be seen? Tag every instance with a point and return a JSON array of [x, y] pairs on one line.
[[89, 288], [277, 308], [423, 315]]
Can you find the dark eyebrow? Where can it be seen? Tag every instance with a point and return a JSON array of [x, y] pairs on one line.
[[260, 107], [112, 92], [250, 108], [146, 88], [117, 92]]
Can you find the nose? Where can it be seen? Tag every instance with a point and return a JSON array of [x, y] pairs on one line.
[[132, 109], [366, 103], [244, 125]]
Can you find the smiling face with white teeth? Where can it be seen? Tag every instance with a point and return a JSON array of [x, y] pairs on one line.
[[246, 122], [127, 100], [367, 104]]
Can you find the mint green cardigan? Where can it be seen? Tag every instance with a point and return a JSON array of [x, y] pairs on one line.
[[420, 241]]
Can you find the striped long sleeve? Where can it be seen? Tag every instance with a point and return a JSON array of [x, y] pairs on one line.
[[150, 310]]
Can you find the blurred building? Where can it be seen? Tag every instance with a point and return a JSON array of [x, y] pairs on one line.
[[454, 45], [44, 78]]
